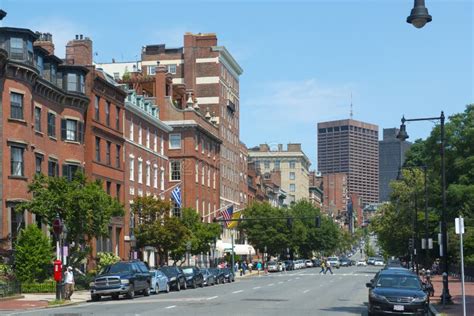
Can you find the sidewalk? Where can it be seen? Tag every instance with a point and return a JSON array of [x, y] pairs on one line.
[[33, 301], [455, 291]]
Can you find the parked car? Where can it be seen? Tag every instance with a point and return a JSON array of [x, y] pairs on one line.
[[218, 274], [371, 261], [334, 261], [159, 282], [209, 277], [228, 275], [289, 265], [176, 277], [274, 266], [361, 262], [308, 263], [344, 262], [194, 277], [379, 262], [316, 262], [122, 278], [397, 292]]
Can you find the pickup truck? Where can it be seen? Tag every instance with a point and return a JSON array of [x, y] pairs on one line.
[[122, 278]]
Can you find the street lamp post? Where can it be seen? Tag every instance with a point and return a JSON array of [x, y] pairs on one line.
[[419, 15], [402, 135]]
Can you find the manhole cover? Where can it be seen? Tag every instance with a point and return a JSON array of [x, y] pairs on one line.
[[264, 300]]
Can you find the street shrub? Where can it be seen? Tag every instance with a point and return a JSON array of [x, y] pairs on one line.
[[105, 259], [44, 287], [82, 281]]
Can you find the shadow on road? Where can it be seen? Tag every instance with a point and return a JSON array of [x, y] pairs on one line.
[[356, 310]]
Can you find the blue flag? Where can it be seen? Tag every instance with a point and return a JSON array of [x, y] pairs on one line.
[[176, 195]]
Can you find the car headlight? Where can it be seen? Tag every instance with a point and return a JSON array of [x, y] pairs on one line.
[[189, 277], [377, 296], [125, 281], [92, 284], [419, 299], [172, 278]]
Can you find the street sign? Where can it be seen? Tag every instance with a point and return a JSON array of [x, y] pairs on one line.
[[459, 224]]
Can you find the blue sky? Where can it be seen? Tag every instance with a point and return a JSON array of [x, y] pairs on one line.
[[301, 59]]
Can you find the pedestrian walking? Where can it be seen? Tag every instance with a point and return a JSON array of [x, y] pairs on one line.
[[328, 267], [69, 283], [323, 267], [250, 267], [259, 267]]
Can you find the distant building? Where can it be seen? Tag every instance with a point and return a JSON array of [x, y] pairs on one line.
[[391, 157], [351, 147], [335, 195], [316, 189], [292, 163]]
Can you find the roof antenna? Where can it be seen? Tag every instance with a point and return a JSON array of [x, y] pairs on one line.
[[351, 113]]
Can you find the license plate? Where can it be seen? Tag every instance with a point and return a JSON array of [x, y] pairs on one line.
[[398, 307]]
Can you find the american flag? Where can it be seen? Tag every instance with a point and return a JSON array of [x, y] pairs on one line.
[[227, 214]]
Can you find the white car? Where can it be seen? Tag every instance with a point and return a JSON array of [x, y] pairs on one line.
[[308, 263], [334, 261], [378, 262], [361, 263], [274, 266]]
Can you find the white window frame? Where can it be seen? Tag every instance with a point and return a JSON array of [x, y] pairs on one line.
[[162, 180], [208, 177], [155, 176], [147, 138], [148, 172], [162, 145], [203, 174], [131, 131], [132, 168], [197, 172], [292, 187], [151, 70], [155, 143], [292, 175], [139, 134], [140, 170], [214, 179], [173, 146]]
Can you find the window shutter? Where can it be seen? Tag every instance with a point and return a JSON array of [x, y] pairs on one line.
[[63, 129], [80, 130]]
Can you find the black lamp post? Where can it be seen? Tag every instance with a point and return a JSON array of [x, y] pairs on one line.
[[419, 15], [402, 135]]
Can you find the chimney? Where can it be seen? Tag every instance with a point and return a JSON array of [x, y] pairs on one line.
[[79, 51], [264, 147], [45, 41], [294, 147], [160, 85]]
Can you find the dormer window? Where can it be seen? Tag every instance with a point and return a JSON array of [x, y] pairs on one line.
[[53, 74], [29, 46], [71, 82], [16, 48], [40, 64]]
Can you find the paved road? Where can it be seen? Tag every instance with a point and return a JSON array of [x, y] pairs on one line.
[[302, 292]]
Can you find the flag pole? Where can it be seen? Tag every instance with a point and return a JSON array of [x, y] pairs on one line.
[[172, 187]]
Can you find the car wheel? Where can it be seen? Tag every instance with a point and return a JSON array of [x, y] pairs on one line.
[[178, 286], [131, 292], [146, 292], [115, 296], [185, 285], [95, 297], [194, 284], [202, 284], [167, 288]]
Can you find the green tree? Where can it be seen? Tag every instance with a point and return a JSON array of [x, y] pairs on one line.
[[202, 234], [85, 208], [33, 255], [106, 259]]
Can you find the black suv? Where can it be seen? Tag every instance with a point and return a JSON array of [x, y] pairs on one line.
[[125, 277], [394, 291], [176, 277], [194, 277]]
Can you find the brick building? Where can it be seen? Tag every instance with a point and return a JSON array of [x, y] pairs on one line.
[[104, 137], [335, 194], [316, 189], [212, 74], [42, 114]]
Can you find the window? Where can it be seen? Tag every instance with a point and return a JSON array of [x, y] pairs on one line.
[[16, 104], [82, 87], [37, 119], [40, 64], [196, 142], [132, 169], [16, 48], [172, 69], [197, 204], [209, 177], [140, 171], [107, 113], [17, 162], [72, 130], [277, 164], [203, 174], [292, 176], [96, 108], [117, 118], [116, 75], [197, 172], [214, 180], [162, 179], [117, 156], [176, 210], [53, 168], [155, 177], [292, 164], [175, 141], [29, 48], [131, 130], [267, 164], [69, 170], [17, 220], [108, 186], [148, 170], [175, 167], [107, 153], [38, 163], [139, 134], [292, 187], [97, 149], [118, 188], [53, 73], [162, 145], [51, 124], [155, 143], [71, 82], [151, 70], [147, 138]]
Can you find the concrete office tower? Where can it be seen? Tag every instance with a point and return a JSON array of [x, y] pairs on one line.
[[351, 147], [391, 157], [292, 163]]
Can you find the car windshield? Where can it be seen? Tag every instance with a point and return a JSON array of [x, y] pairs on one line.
[[118, 268], [332, 259], [168, 270], [188, 270], [399, 281]]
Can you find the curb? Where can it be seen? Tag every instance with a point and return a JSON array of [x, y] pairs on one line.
[[15, 297], [433, 310], [63, 305]]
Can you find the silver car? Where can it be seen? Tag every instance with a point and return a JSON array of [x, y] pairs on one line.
[[159, 282]]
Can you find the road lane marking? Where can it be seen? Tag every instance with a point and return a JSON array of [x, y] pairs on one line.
[[170, 307], [271, 284], [280, 282], [239, 291], [305, 291], [211, 298], [297, 278], [257, 287]]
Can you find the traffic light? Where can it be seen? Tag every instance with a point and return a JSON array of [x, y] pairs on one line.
[[317, 221], [410, 243], [289, 222]]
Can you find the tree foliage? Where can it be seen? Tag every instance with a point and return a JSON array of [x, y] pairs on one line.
[[33, 255], [106, 259], [84, 207]]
